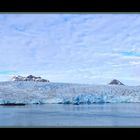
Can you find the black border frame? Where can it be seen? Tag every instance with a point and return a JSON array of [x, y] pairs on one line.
[[69, 6]]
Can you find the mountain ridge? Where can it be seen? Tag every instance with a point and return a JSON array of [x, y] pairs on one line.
[[29, 78]]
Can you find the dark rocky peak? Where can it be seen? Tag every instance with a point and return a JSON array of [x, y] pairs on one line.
[[29, 78], [115, 82]]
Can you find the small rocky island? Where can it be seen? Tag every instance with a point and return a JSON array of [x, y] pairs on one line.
[[29, 78], [115, 82]]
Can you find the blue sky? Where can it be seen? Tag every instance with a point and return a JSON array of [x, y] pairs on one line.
[[75, 48]]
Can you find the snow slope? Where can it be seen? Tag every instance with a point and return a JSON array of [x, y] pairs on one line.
[[39, 93]]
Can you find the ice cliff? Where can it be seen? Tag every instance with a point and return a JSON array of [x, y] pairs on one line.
[[21, 92]]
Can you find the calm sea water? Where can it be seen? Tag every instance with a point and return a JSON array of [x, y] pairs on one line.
[[70, 115]]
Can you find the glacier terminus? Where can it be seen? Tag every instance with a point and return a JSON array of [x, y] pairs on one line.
[[34, 92]]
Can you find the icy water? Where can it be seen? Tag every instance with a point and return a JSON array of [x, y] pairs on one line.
[[60, 115]]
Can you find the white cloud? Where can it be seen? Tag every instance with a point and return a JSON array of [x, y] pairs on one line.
[[84, 48]]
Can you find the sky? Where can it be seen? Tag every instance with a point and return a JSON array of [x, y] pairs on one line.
[[71, 48]]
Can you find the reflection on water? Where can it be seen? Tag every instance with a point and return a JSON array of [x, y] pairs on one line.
[[71, 115]]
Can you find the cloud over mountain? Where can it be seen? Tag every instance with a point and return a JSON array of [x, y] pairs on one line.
[[89, 48]]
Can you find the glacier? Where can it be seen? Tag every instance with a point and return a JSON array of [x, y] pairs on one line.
[[20, 92]]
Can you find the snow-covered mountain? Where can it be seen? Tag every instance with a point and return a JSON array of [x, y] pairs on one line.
[[115, 82], [29, 92], [29, 78]]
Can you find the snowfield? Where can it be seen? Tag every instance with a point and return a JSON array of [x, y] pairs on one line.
[[63, 93]]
